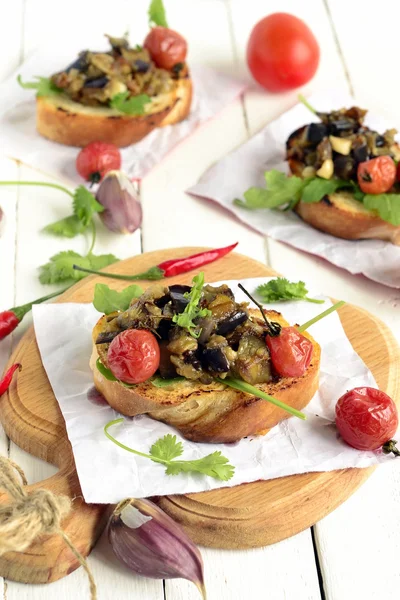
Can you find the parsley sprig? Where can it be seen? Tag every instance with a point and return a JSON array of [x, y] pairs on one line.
[[107, 300], [156, 14], [43, 86], [167, 448], [281, 289], [130, 105], [192, 309]]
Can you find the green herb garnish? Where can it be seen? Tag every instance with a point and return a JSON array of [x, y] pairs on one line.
[[156, 14], [61, 266], [107, 374], [43, 86], [167, 448], [192, 310], [161, 382], [107, 300], [386, 205], [130, 105], [280, 289]]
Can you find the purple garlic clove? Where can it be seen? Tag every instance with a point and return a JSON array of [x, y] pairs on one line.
[[151, 544], [123, 212]]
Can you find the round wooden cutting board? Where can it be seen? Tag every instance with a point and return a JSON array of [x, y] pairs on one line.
[[248, 515]]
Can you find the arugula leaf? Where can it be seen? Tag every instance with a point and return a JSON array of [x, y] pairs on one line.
[[167, 448], [386, 205], [156, 14], [107, 300], [160, 382], [281, 289], [61, 266], [134, 105], [281, 189], [164, 450], [192, 310], [316, 188], [107, 373], [43, 86], [85, 205], [68, 227]]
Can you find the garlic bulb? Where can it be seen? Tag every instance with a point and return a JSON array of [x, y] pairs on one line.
[[151, 544], [123, 213]]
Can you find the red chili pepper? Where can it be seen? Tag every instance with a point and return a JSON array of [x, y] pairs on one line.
[[5, 382], [9, 319], [172, 267]]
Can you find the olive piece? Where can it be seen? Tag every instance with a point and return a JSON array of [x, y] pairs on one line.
[[141, 66], [344, 167], [215, 360], [230, 323], [99, 82], [79, 64], [316, 132], [379, 141]]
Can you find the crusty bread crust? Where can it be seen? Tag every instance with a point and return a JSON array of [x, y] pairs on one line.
[[341, 215], [61, 120], [211, 413]]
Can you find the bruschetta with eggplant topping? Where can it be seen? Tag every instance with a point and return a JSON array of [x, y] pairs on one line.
[[344, 178], [117, 96], [195, 358]]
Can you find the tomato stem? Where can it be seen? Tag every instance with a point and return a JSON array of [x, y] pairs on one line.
[[326, 312], [307, 104], [40, 183], [274, 328], [390, 447]]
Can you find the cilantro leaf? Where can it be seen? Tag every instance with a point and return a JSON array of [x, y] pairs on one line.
[[61, 266], [68, 227], [85, 205], [192, 310], [214, 465], [43, 86], [166, 448], [107, 374], [386, 205], [316, 188], [156, 14], [107, 300], [281, 289], [280, 190], [134, 105]]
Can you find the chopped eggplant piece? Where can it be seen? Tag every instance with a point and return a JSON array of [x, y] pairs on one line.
[[207, 326], [166, 368], [178, 298], [324, 151], [316, 132], [215, 360], [344, 167], [230, 323], [79, 64], [100, 82], [342, 127], [379, 141], [141, 66], [105, 337], [360, 152], [253, 361]]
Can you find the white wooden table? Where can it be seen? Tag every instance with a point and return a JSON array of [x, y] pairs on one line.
[[354, 552]]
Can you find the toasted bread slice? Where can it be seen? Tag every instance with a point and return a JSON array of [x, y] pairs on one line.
[[210, 413], [341, 215], [62, 120]]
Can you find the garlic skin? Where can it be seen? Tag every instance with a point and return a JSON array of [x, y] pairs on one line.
[[123, 212], [151, 544]]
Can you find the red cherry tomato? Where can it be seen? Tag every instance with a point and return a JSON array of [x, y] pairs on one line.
[[377, 175], [366, 418], [282, 52], [133, 356], [96, 159], [167, 47], [290, 352]]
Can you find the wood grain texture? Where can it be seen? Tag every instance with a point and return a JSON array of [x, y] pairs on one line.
[[249, 515]]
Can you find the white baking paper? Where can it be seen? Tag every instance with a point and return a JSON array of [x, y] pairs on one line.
[[108, 473], [245, 167], [19, 139]]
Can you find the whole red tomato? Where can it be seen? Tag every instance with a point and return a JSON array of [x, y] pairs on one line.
[[134, 355], [96, 159], [166, 47], [282, 52], [376, 176], [290, 351], [366, 418]]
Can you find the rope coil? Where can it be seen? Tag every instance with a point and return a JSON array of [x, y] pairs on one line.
[[32, 515]]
